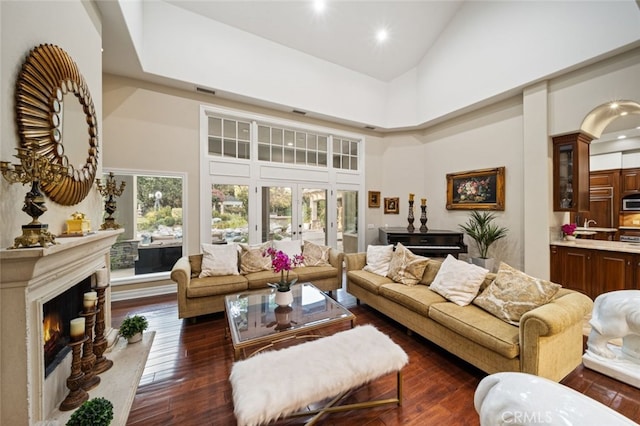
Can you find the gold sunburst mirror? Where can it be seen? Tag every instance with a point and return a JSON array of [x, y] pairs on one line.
[[56, 113]]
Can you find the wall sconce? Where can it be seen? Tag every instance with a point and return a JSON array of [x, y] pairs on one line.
[[109, 189], [34, 169]]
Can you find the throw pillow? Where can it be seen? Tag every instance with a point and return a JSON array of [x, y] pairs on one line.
[[291, 248], [252, 259], [458, 281], [378, 259], [219, 259], [315, 254], [513, 293], [406, 267]]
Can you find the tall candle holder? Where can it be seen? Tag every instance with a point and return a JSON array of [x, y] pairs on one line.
[[88, 357], [410, 217], [109, 190], [77, 395], [33, 168], [100, 343], [423, 219]]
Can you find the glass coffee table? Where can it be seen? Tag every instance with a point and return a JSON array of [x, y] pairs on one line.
[[255, 321]]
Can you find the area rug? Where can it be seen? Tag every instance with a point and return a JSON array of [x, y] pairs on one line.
[[120, 383]]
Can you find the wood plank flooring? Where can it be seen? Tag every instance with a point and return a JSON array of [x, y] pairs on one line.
[[185, 381]]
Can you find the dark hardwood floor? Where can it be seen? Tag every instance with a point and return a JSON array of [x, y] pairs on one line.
[[185, 381]]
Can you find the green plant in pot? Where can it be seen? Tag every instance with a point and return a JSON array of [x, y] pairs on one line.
[[94, 412], [132, 328], [481, 229]]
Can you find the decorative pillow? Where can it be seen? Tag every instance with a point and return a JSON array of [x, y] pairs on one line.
[[219, 259], [252, 259], [406, 267], [291, 248], [512, 293], [196, 265], [430, 272], [458, 281], [315, 255], [378, 259]]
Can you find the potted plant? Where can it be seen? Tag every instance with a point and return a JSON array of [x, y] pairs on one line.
[[484, 232], [282, 263], [568, 231], [132, 328], [94, 412]]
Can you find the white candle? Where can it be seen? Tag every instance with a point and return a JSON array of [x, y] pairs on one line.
[[77, 329], [101, 277], [90, 299], [91, 295]]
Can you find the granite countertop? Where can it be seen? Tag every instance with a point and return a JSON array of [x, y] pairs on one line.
[[596, 229], [618, 246]]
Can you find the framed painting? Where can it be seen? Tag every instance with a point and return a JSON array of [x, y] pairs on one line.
[[374, 199], [476, 190], [391, 205]]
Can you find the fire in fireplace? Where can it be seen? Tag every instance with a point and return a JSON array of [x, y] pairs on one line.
[[57, 313]]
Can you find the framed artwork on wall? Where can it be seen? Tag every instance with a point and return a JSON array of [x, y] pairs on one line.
[[391, 205], [374, 199], [476, 190]]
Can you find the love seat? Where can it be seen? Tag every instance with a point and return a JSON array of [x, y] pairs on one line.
[[548, 341], [204, 295]]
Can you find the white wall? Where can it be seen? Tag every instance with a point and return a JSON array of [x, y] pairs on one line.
[[26, 25]]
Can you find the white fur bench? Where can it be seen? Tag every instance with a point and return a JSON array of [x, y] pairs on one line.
[[276, 384]]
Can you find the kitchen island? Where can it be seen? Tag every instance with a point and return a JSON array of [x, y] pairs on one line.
[[594, 267]]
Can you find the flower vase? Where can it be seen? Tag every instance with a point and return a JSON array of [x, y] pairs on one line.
[[423, 219], [569, 237], [284, 298], [410, 218]]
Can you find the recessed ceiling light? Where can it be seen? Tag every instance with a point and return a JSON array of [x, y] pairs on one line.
[[613, 105], [382, 35], [624, 113], [622, 137], [319, 5]]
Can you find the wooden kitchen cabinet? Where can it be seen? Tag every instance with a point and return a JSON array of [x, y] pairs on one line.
[[571, 172], [630, 181], [594, 272]]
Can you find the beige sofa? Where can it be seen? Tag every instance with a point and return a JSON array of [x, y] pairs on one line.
[[548, 342], [199, 296]]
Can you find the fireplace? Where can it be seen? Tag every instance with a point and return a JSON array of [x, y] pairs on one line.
[[57, 313], [32, 278]]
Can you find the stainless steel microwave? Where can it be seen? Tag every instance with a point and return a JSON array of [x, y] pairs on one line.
[[631, 204]]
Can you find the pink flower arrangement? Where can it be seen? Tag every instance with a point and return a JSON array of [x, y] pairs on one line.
[[280, 262], [568, 228]]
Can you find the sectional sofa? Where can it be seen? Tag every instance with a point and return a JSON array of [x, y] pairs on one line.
[[548, 341]]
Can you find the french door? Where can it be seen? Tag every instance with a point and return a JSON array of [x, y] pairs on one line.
[[295, 211]]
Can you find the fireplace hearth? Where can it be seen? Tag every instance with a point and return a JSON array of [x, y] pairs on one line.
[[57, 313]]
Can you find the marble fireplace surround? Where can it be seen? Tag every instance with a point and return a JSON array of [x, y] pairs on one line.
[[29, 278]]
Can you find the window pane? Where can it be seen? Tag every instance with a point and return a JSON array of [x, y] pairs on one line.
[[229, 129], [263, 152], [229, 213], [312, 158], [345, 147], [215, 126], [322, 143], [288, 137], [276, 154], [263, 134], [301, 158], [243, 131], [301, 139], [276, 136], [312, 143], [229, 148], [354, 148], [322, 159], [336, 162], [215, 146], [243, 150], [336, 145], [288, 155], [354, 163]]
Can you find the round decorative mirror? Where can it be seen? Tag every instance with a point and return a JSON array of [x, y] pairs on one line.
[[55, 110]]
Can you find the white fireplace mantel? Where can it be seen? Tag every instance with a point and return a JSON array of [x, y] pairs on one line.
[[31, 277]]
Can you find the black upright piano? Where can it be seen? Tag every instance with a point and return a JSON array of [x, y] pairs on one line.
[[433, 243]]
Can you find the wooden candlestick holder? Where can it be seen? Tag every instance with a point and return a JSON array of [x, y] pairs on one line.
[[423, 219], [410, 217], [77, 396], [100, 343], [88, 357]]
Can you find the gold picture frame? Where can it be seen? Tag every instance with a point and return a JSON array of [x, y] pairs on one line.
[[374, 199], [392, 205], [476, 189]]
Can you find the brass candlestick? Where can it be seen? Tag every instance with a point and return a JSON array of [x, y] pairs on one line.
[[34, 169], [410, 218], [423, 219], [109, 189], [76, 395], [100, 343], [88, 357]]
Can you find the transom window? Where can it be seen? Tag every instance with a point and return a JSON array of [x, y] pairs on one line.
[[279, 145], [229, 138]]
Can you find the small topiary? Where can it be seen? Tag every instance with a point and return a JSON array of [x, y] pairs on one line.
[[133, 325], [94, 412]]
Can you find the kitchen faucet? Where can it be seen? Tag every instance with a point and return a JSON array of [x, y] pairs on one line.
[[587, 222]]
